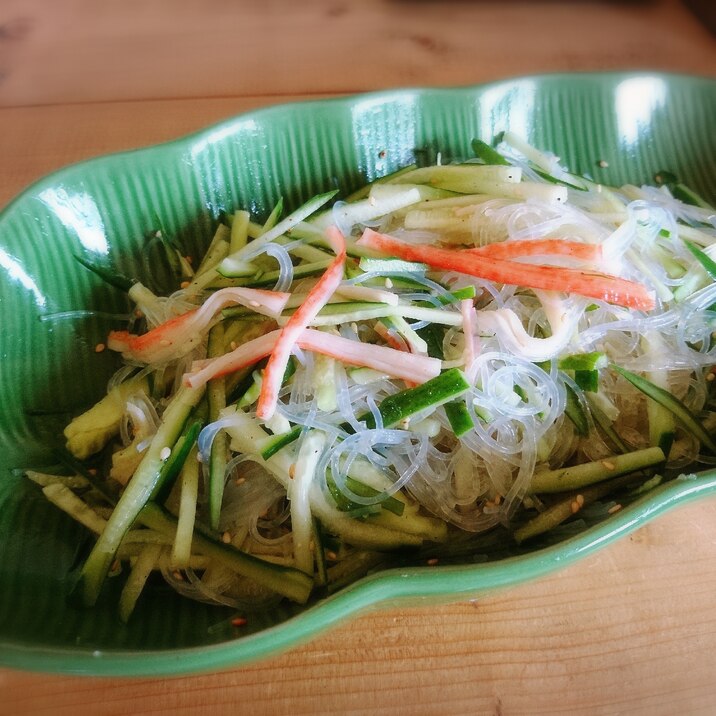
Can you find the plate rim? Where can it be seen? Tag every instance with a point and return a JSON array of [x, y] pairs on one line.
[[389, 586]]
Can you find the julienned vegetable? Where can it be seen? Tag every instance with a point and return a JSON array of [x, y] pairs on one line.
[[504, 344]]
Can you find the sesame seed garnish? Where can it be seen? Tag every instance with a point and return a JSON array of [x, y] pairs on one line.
[[354, 327], [178, 575], [184, 284], [233, 345], [388, 283], [575, 507], [602, 164], [498, 499], [608, 465], [101, 346], [254, 304], [240, 480], [92, 471], [579, 499], [614, 508], [165, 453], [226, 537], [710, 377], [433, 561], [189, 259], [138, 314], [239, 621], [292, 470], [331, 555], [164, 342]]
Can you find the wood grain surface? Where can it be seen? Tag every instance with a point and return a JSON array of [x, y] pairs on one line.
[[631, 630]]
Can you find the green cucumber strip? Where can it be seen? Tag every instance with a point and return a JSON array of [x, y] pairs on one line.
[[689, 196], [661, 421], [583, 361], [274, 216], [683, 415], [66, 458], [434, 392], [579, 476], [365, 189], [65, 499], [392, 199], [459, 294], [172, 254], [138, 492], [303, 212], [666, 440], [390, 266], [433, 335], [587, 380], [172, 467], [110, 276], [247, 276], [218, 456], [554, 180], [274, 443], [146, 560], [319, 543], [251, 394], [349, 570], [186, 513], [398, 280], [488, 155], [398, 324], [287, 581], [217, 250], [564, 509], [338, 309], [459, 417], [464, 178], [345, 504], [245, 381], [575, 412], [708, 264], [346, 312], [241, 270], [606, 425]]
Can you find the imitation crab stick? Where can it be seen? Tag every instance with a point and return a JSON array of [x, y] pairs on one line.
[[177, 336], [408, 366], [539, 247], [549, 278], [316, 298]]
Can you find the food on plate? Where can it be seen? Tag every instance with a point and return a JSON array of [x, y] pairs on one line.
[[493, 346]]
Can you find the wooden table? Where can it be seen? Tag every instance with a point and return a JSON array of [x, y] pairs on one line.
[[631, 630]]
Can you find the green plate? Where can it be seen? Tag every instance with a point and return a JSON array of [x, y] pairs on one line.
[[104, 209]]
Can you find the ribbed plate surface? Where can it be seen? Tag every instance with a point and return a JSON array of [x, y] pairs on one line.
[[105, 208]]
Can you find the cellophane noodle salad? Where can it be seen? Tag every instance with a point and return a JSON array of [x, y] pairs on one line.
[[489, 346]]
